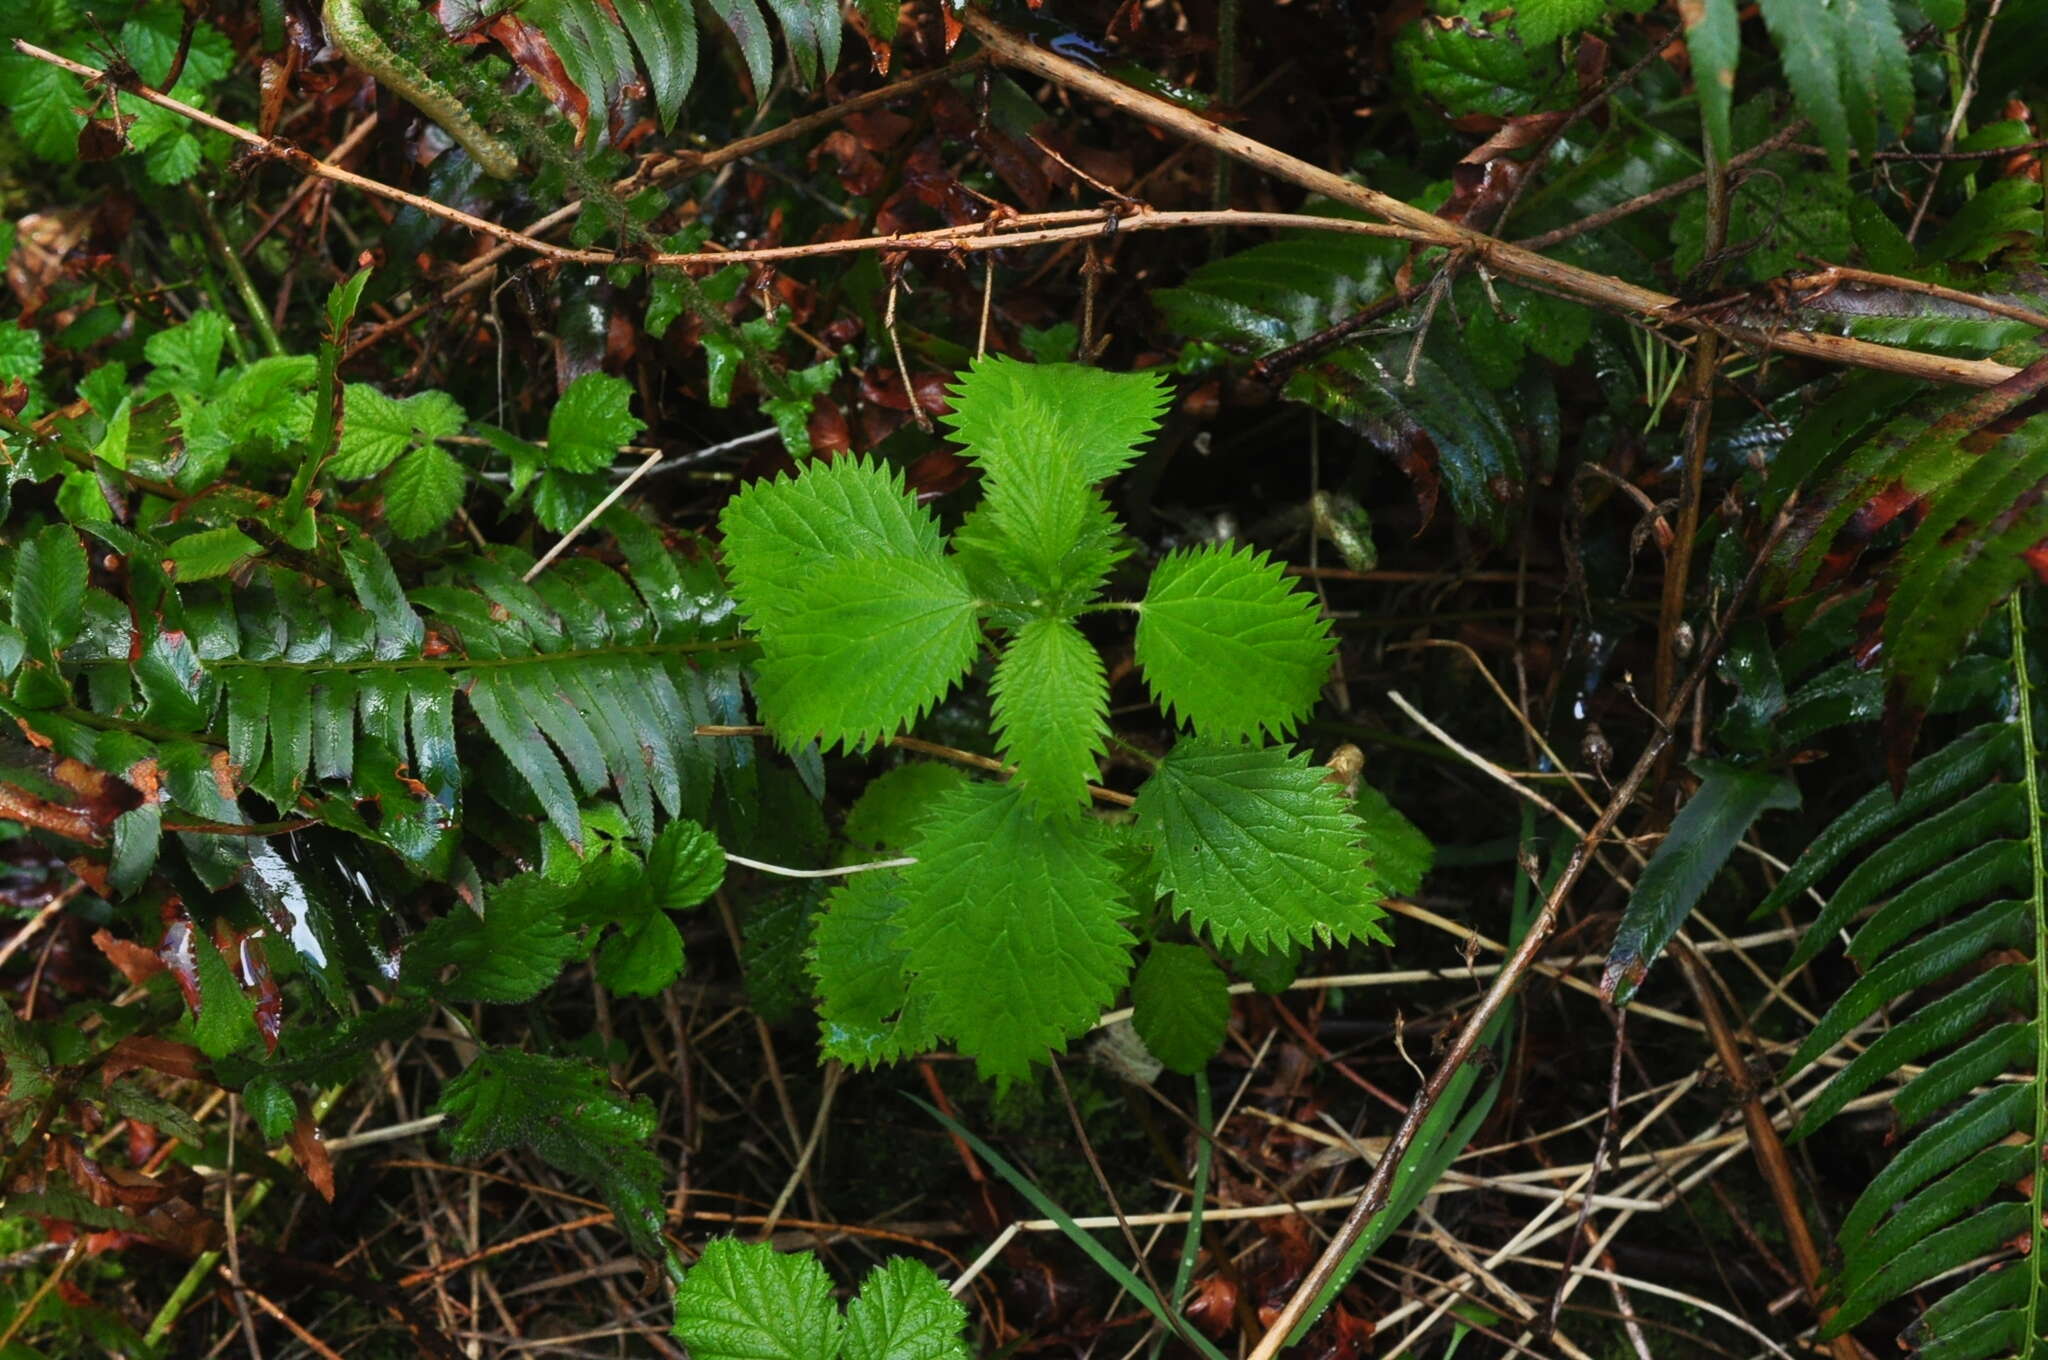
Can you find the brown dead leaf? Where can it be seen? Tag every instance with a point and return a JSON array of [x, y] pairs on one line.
[[158, 1055], [307, 1146], [43, 242]]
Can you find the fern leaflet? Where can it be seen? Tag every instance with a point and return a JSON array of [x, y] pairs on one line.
[[1961, 893]]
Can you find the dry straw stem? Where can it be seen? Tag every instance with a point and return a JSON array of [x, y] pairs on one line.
[[1514, 261]]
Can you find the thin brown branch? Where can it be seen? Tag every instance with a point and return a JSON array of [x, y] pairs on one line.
[[999, 234], [44, 915], [1765, 1143], [1515, 261], [1781, 140], [930, 748], [1828, 275]]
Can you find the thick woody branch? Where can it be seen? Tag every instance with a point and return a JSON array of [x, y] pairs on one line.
[[1516, 262], [1402, 221]]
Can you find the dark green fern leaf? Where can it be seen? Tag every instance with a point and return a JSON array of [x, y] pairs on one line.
[[1960, 484], [1954, 951], [599, 43]]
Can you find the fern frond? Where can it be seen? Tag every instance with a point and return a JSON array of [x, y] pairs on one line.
[[1963, 480], [589, 680], [1964, 916], [600, 58]]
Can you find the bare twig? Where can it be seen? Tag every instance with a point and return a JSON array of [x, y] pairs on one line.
[[611, 499], [1828, 275], [1765, 1143], [44, 915]]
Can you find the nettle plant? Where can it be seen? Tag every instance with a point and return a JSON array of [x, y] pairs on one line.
[[1014, 922]]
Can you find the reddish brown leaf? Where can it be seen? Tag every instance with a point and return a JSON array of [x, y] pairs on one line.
[[92, 872], [307, 1146], [1214, 1306], [1514, 135], [274, 79], [19, 805], [860, 171], [136, 963], [936, 473], [827, 427], [102, 139], [177, 952]]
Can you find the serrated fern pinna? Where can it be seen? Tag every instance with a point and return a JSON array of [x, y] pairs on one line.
[[1954, 869]]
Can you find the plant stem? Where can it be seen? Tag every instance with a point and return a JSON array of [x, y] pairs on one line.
[[238, 273], [2037, 1286]]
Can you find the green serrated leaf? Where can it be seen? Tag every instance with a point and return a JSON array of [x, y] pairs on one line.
[[775, 934], [866, 649], [642, 958], [903, 1312], [187, 355], [509, 952], [40, 99], [342, 300], [593, 52], [750, 30], [129, 1100], [781, 534], [1051, 712], [1810, 38], [1544, 21], [895, 804], [226, 1019], [684, 867], [1013, 927], [1258, 847], [567, 1113], [49, 590], [209, 553], [422, 492], [21, 352], [271, 1104], [748, 1301], [495, 699], [591, 422], [866, 1012], [1229, 644], [665, 36], [1012, 415], [377, 429], [1180, 1004]]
